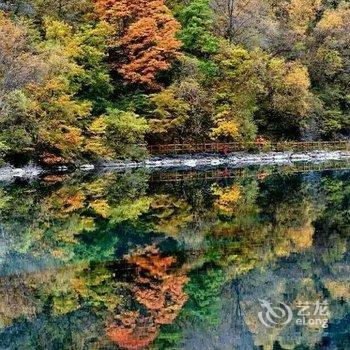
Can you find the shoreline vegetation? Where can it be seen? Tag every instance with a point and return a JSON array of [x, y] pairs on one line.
[[186, 163], [82, 81]]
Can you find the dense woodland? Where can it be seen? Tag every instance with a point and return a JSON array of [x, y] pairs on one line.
[[84, 79]]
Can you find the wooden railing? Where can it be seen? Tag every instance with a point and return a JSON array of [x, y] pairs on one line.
[[225, 148], [227, 173]]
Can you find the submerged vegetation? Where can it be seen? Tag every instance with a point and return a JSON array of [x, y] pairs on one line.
[[95, 79]]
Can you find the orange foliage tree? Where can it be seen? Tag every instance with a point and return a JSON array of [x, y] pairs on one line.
[[145, 38], [158, 289]]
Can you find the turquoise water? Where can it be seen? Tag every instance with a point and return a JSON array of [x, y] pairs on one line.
[[244, 259]]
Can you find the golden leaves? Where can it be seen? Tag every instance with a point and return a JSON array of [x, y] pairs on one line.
[[101, 207], [227, 198], [301, 13]]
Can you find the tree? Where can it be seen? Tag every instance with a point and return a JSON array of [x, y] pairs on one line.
[[144, 43], [170, 215], [302, 14], [247, 22], [125, 132], [52, 90], [235, 96], [170, 112], [257, 86], [117, 134], [95, 83], [197, 24], [20, 63], [182, 111], [158, 289], [72, 11], [328, 64], [40, 112]]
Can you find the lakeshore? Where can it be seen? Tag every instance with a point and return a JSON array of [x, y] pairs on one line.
[[238, 159]]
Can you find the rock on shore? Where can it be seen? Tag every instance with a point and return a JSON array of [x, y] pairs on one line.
[[196, 161], [31, 171], [9, 172]]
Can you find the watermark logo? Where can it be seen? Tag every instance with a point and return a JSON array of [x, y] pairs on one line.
[[313, 314], [274, 315]]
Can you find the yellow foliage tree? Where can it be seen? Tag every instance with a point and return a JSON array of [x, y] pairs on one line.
[[302, 13]]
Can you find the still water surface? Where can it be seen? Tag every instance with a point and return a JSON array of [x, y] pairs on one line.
[[258, 259]]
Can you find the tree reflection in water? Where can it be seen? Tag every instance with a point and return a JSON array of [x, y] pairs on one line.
[[116, 260]]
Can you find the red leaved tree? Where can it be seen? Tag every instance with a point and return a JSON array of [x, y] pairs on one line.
[[145, 41], [158, 289]]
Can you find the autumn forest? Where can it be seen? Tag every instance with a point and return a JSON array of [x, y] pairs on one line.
[[91, 80]]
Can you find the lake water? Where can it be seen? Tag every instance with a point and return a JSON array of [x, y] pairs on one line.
[[218, 259]]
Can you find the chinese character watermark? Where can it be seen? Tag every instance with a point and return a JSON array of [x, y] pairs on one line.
[[314, 314]]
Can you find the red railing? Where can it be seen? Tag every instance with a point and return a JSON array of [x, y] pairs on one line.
[[227, 173], [224, 148]]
